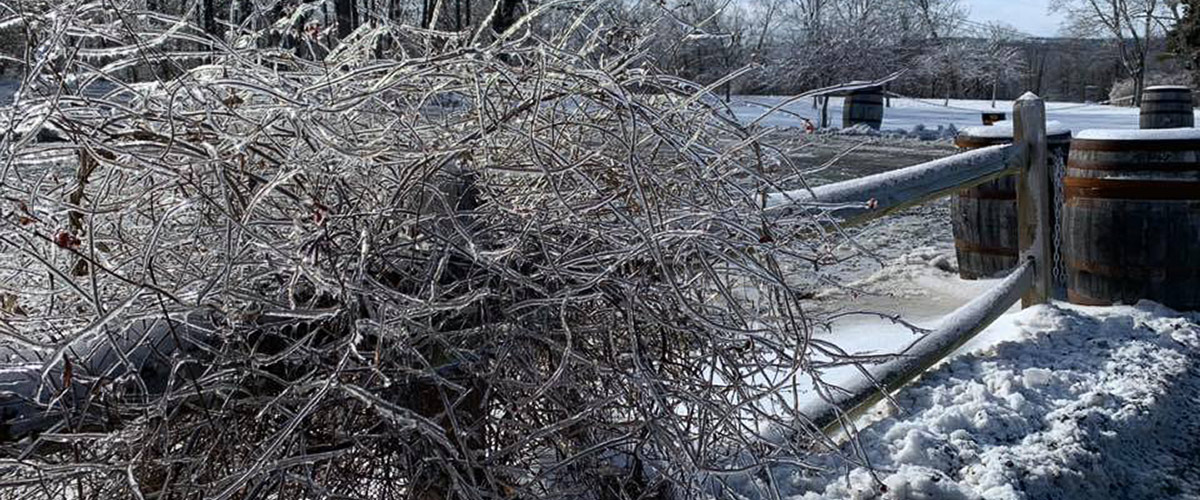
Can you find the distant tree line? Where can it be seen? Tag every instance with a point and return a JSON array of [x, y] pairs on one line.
[[776, 46], [805, 44]]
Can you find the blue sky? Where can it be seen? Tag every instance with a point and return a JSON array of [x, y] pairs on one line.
[[1030, 16]]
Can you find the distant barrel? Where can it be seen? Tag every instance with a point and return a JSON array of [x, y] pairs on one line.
[[1132, 217], [1167, 107], [991, 118], [984, 218], [863, 106]]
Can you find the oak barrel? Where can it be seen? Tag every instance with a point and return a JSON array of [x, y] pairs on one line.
[[1132, 217], [984, 218], [1167, 107], [863, 106]]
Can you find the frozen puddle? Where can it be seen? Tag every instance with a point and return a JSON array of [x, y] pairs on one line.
[[1079, 403], [920, 287]]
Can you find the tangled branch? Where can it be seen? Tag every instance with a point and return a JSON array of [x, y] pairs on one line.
[[414, 265]]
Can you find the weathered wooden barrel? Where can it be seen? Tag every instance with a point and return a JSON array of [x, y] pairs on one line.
[[863, 106], [1167, 107], [1132, 217], [991, 118], [984, 218]]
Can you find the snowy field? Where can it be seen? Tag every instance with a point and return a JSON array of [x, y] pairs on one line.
[[906, 114]]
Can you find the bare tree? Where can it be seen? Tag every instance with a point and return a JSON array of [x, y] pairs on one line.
[[1002, 57], [938, 17], [1131, 24]]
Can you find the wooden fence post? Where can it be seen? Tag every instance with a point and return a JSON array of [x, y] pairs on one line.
[[825, 111], [1034, 227]]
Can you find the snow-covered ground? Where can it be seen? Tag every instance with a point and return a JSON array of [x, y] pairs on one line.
[[1060, 402], [1055, 401], [907, 114]]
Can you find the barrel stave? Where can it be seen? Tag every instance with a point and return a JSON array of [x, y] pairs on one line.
[[1124, 251], [984, 222]]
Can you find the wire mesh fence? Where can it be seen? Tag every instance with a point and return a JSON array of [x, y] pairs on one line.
[[1058, 172]]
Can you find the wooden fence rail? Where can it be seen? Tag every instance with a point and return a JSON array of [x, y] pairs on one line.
[[874, 196], [871, 197]]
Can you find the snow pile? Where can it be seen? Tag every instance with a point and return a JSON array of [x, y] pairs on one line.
[[1079, 402], [910, 268], [1169, 87], [922, 284], [1162, 134], [1004, 130], [918, 132]]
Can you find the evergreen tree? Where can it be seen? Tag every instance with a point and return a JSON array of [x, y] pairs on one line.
[[1184, 40]]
